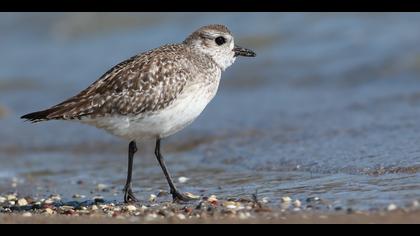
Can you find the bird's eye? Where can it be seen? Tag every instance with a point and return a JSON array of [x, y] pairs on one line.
[[220, 40]]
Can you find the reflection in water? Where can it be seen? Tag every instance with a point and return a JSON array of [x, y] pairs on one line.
[[329, 108]]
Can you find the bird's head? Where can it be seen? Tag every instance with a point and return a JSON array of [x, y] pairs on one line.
[[217, 42]]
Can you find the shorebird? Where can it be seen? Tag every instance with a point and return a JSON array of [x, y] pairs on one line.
[[154, 94]]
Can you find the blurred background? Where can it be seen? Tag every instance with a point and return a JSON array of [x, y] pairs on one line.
[[329, 108]]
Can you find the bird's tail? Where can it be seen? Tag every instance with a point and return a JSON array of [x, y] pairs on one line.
[[38, 116]]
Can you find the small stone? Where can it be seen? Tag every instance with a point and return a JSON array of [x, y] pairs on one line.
[[78, 196], [415, 204], [101, 187], [192, 196], [22, 202], [55, 197], [392, 207], [130, 208], [27, 214], [152, 198], [231, 205], [181, 216], [94, 208], [297, 203], [286, 199], [48, 201], [265, 200], [313, 199], [66, 208], [11, 197], [183, 180], [244, 215], [3, 199], [151, 217], [48, 211], [212, 199]]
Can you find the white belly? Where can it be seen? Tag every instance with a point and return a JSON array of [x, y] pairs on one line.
[[182, 112]]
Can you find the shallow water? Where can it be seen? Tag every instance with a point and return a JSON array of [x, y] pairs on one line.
[[329, 108]]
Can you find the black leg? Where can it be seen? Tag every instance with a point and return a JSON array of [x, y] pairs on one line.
[[128, 193], [177, 196]]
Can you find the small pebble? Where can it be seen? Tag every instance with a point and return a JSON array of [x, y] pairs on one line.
[[94, 208], [192, 196], [48, 211], [297, 203], [286, 199], [101, 187], [3, 199], [244, 215], [265, 200], [11, 197], [151, 217], [130, 208], [392, 207], [22, 202], [181, 216], [78, 196], [27, 214], [183, 179], [152, 198], [230, 205], [66, 208], [212, 199], [48, 201], [55, 197], [313, 199]]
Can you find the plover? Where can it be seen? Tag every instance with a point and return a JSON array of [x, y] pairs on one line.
[[154, 94]]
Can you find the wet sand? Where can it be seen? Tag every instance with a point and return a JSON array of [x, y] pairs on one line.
[[398, 217]]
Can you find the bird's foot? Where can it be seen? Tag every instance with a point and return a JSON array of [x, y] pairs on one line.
[[129, 195], [181, 197]]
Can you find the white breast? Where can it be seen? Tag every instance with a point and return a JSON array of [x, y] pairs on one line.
[[182, 112]]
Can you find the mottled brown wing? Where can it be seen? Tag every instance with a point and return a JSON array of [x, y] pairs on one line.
[[140, 84]]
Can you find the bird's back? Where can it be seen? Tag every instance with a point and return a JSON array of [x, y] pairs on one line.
[[147, 82]]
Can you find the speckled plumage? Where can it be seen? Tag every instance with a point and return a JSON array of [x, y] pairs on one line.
[[147, 84]]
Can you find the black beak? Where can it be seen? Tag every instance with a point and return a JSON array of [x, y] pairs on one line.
[[239, 51]]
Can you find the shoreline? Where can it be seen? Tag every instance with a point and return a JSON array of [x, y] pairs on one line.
[[395, 217], [161, 210]]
